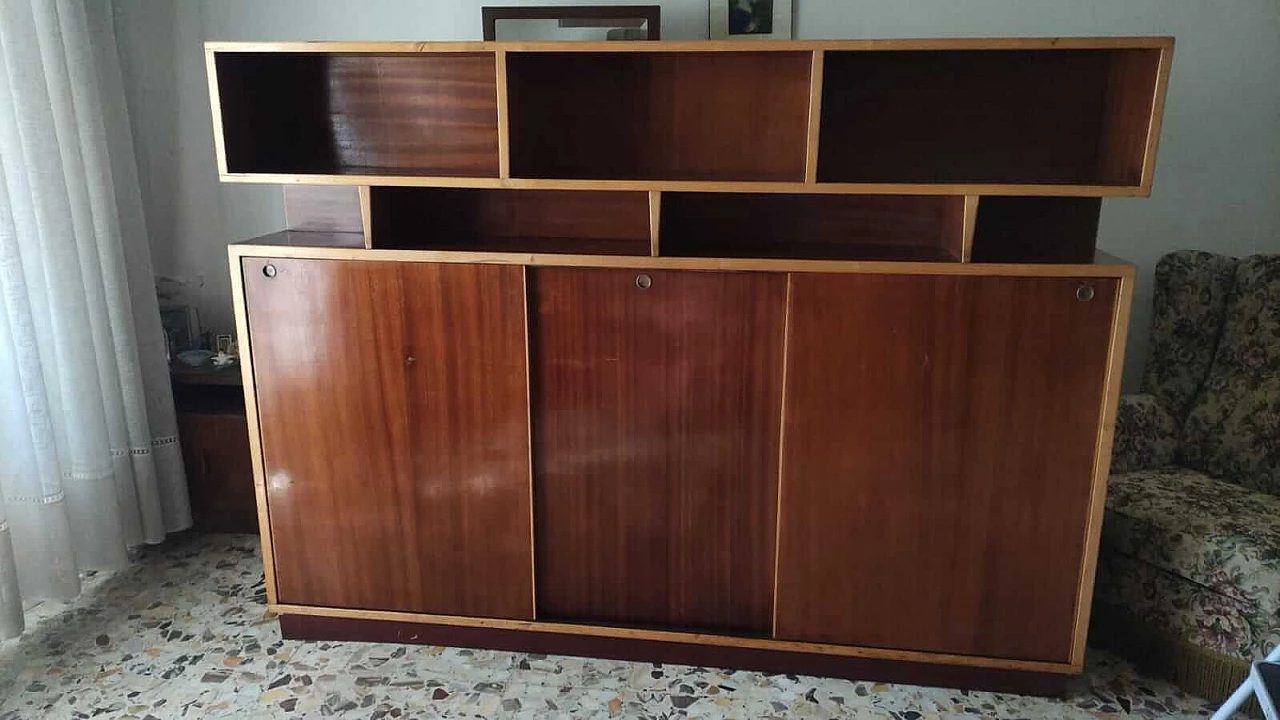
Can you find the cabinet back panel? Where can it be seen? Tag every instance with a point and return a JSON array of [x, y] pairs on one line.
[[323, 208], [412, 114], [1031, 116], [656, 415], [820, 227], [392, 399], [1036, 230], [659, 116], [569, 221], [939, 441]]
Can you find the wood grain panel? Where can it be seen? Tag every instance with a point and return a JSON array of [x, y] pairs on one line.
[[433, 114], [394, 415], [585, 221], [1127, 116], [939, 439], [655, 418], [686, 116], [826, 227], [323, 208], [407, 114]]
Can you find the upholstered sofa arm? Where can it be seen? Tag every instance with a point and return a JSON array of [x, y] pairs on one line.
[[1146, 435]]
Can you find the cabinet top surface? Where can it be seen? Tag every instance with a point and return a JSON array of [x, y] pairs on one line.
[[1036, 43], [349, 246]]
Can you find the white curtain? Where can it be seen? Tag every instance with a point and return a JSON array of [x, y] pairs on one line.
[[89, 460]]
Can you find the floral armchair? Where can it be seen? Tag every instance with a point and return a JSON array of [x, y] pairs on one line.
[[1189, 570]]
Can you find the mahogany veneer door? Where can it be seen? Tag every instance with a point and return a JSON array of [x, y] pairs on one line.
[[939, 443], [394, 414], [656, 415]]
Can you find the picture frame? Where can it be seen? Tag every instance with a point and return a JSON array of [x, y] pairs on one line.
[[226, 344], [749, 19], [572, 22], [181, 326]]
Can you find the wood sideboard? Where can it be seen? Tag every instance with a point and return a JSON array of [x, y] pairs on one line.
[[797, 356]]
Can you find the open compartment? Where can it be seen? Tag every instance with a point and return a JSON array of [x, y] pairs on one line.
[[586, 222], [818, 227], [1074, 117], [1036, 230], [659, 115], [334, 113]]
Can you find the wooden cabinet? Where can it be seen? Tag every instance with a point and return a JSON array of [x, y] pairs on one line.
[[655, 416], [794, 356], [214, 434], [794, 471], [940, 439], [215, 451], [392, 400]]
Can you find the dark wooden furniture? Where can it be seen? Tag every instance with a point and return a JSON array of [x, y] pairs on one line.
[[678, 351], [214, 435], [646, 419], [377, 396], [937, 431]]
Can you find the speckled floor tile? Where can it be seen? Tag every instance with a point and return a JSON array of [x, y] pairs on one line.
[[183, 634]]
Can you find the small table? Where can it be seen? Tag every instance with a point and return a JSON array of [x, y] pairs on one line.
[[215, 447]]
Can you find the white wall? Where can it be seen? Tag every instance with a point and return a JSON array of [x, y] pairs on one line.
[[1217, 183]]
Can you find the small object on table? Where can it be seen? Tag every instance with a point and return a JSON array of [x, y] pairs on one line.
[[195, 358]]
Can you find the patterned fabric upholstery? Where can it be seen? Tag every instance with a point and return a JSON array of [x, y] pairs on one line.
[[1213, 533], [1191, 289], [1146, 434], [1184, 610], [1194, 549], [1233, 430]]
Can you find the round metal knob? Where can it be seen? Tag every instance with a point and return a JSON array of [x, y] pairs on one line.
[[643, 281], [1084, 293], [269, 270]]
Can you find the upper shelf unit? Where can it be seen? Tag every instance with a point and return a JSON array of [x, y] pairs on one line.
[[358, 113], [1068, 117]]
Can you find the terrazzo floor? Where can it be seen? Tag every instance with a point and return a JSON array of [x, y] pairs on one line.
[[183, 634]]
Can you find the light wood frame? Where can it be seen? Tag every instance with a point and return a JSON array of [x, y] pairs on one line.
[[245, 344], [655, 222], [733, 641], [321, 246], [1102, 463], [808, 185], [815, 118]]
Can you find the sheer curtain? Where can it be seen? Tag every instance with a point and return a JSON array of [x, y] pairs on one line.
[[89, 461]]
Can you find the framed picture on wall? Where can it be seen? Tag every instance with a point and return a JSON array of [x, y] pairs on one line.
[[750, 19], [572, 22]]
